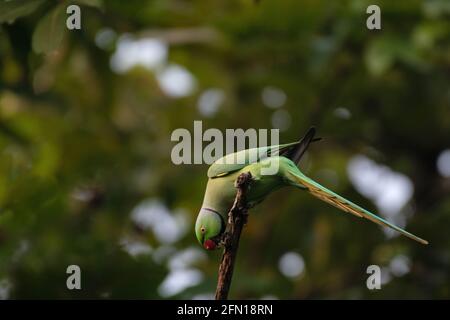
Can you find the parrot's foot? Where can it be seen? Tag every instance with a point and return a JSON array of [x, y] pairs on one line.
[[225, 240]]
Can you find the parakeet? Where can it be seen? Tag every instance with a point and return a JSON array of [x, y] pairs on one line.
[[220, 190]]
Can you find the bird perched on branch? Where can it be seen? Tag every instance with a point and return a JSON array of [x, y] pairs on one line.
[[220, 190]]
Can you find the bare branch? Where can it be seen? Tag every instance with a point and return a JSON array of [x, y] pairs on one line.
[[237, 218]]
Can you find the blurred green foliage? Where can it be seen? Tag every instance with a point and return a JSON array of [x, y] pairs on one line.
[[82, 145]]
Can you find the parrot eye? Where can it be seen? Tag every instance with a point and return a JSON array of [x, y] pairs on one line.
[[202, 229]]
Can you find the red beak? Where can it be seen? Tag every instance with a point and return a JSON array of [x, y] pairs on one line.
[[209, 244]]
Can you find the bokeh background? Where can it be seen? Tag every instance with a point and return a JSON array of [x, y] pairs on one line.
[[86, 117]]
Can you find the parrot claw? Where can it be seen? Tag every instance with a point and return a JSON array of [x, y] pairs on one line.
[[224, 240], [221, 244]]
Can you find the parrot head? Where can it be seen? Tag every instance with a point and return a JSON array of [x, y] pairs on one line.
[[209, 228]]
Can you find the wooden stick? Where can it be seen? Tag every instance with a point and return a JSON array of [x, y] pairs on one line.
[[237, 218]]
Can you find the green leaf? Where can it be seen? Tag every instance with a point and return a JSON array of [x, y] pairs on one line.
[[49, 33], [11, 10], [91, 3]]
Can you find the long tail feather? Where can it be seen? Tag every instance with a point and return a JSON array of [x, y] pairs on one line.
[[317, 190]]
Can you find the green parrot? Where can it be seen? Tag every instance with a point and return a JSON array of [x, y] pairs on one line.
[[221, 191]]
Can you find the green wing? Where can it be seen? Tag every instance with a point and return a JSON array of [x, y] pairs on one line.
[[236, 161], [340, 202]]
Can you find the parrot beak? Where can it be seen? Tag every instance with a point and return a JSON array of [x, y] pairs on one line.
[[209, 244]]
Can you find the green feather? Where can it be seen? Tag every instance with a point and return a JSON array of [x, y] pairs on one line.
[[319, 191], [236, 161]]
